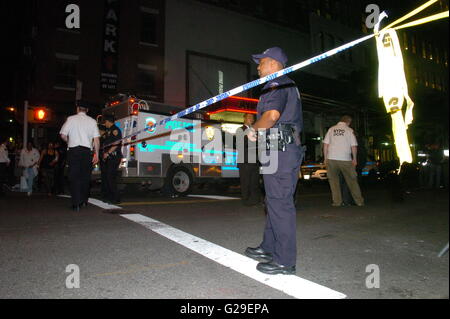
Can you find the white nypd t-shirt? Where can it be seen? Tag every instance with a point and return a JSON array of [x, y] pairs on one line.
[[340, 139]]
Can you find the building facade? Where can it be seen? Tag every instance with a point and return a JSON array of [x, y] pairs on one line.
[[181, 52]]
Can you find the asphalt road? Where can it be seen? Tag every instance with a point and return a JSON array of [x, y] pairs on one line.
[[118, 258]]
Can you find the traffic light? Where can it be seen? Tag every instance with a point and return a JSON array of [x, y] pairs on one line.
[[39, 115]]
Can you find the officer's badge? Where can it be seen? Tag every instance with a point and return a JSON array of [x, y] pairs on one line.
[[274, 84]]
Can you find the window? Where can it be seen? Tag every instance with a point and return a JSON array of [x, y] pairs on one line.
[[430, 51], [413, 44], [405, 42], [424, 50], [146, 79], [349, 55], [149, 26], [321, 41], [437, 56], [339, 43], [329, 41], [439, 83], [66, 71], [416, 75]]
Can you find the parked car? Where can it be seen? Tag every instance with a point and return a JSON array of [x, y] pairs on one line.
[[318, 171], [310, 171]]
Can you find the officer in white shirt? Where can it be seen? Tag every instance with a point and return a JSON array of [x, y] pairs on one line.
[[4, 163], [80, 131], [340, 154]]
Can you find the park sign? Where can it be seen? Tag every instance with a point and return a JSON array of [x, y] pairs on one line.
[[109, 69]]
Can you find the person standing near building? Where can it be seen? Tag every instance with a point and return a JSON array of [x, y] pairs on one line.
[[112, 155], [340, 149], [80, 131], [4, 163], [435, 158], [61, 148], [29, 158], [47, 164], [279, 107], [248, 165]]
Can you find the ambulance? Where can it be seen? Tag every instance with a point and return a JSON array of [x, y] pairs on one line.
[[175, 155]]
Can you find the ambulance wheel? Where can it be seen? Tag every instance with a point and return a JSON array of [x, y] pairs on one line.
[[180, 181]]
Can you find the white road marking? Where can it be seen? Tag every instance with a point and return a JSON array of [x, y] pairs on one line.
[[101, 204], [292, 285], [96, 202], [213, 197]]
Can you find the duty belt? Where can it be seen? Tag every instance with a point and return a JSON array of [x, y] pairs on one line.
[[286, 134]]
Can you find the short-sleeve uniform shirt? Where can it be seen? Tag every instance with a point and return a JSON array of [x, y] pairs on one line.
[[340, 139], [114, 136], [282, 95], [80, 129]]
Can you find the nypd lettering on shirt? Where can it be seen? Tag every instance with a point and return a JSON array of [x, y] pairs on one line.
[[338, 132]]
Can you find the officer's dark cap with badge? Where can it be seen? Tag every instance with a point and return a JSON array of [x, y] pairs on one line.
[[85, 104], [108, 117], [275, 53]]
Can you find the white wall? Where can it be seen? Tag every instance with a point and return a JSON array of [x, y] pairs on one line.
[[194, 26]]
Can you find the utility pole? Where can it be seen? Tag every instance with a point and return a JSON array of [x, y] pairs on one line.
[[25, 124]]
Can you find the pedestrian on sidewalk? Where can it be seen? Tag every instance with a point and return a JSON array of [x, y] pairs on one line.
[[61, 148], [4, 163], [47, 163], [29, 158]]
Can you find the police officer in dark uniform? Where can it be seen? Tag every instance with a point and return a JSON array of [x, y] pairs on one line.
[[102, 130], [248, 166], [279, 107], [112, 155]]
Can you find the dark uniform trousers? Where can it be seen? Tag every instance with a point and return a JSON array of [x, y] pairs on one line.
[[249, 177], [103, 175], [109, 177], [80, 170], [281, 222]]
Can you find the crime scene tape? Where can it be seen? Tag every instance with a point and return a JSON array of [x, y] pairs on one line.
[[293, 68], [252, 84]]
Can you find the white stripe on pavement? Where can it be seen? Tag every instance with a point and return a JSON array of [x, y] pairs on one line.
[[292, 285], [103, 205], [96, 202], [213, 197]]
